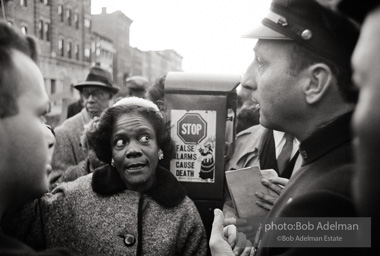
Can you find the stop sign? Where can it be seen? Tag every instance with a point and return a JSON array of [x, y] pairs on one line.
[[192, 128]]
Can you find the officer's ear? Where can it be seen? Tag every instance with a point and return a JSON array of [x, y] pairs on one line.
[[319, 82]]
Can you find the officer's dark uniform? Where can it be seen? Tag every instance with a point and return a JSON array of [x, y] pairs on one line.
[[322, 186]]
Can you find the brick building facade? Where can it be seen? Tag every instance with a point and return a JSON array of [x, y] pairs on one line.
[[71, 40]]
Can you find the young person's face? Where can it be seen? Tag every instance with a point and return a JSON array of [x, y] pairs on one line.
[[25, 135]]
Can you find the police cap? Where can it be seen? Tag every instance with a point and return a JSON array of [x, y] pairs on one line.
[[315, 27]]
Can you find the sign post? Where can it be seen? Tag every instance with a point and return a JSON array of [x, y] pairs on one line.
[[199, 105]]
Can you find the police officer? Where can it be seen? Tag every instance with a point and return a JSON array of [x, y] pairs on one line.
[[304, 88]]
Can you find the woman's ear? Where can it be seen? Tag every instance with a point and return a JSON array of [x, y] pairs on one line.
[[320, 80]]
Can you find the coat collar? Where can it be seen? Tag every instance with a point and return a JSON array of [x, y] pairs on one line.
[[325, 139], [166, 190]]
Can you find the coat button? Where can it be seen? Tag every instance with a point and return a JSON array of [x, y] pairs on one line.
[[129, 240]]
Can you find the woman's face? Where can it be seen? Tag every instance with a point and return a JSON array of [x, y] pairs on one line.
[[135, 151]]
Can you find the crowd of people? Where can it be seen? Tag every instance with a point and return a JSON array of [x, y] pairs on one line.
[[98, 184]]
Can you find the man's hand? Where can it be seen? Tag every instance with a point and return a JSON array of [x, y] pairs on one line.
[[275, 186], [226, 240], [243, 226]]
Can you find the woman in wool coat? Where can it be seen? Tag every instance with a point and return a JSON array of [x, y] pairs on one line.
[[132, 205]]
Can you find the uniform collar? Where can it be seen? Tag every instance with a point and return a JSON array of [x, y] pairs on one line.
[[326, 139], [166, 190]]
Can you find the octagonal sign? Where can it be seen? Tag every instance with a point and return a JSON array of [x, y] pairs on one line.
[[192, 128]]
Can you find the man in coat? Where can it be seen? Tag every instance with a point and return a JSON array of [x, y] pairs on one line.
[[24, 138], [366, 119], [97, 92], [304, 88]]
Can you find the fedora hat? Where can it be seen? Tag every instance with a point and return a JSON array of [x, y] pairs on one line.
[[100, 78]]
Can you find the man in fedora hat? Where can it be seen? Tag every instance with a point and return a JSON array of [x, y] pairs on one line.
[[303, 86], [97, 92]]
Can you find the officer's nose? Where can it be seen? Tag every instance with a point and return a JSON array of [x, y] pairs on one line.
[[249, 78]]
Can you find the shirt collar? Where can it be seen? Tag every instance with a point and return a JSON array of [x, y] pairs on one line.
[[277, 137]]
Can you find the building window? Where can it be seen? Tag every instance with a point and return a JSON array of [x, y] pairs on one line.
[[97, 51], [77, 52], [45, 2], [60, 12], [87, 23], [69, 50], [24, 3], [53, 86], [93, 47], [76, 20], [61, 47], [87, 53], [24, 30], [41, 29], [47, 31], [68, 16]]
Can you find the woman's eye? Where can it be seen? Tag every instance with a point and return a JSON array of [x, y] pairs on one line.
[[119, 143], [145, 138]]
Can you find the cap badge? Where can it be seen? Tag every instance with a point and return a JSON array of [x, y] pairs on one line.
[[277, 18], [282, 21], [306, 34]]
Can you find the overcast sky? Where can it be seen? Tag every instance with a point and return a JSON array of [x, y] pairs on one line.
[[207, 33]]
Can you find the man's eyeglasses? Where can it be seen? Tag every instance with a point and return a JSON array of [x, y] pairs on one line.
[[96, 93]]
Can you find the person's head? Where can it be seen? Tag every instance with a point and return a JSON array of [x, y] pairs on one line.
[[249, 115], [156, 92], [248, 112], [137, 86], [366, 76], [301, 72], [130, 136], [23, 105], [97, 91], [366, 119], [87, 147]]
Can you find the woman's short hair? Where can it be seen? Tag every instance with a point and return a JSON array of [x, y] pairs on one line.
[[100, 137]]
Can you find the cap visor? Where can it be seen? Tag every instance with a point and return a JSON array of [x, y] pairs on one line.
[[263, 32]]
